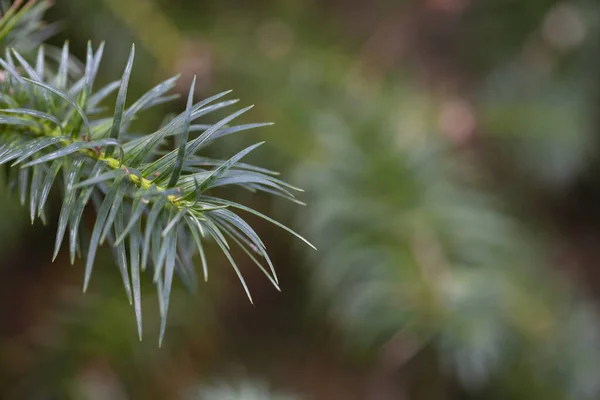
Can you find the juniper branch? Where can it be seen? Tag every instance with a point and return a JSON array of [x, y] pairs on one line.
[[147, 200]]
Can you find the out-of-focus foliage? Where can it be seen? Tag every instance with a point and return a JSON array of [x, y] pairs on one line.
[[22, 26], [244, 390], [538, 104], [413, 256]]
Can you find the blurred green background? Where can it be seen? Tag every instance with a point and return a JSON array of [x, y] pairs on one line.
[[450, 154]]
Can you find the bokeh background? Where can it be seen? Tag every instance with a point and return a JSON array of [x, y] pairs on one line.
[[450, 152]]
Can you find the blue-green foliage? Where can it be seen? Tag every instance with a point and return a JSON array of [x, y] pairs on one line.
[[148, 200]]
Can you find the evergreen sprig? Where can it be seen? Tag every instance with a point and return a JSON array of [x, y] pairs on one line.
[[153, 205], [22, 25]]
